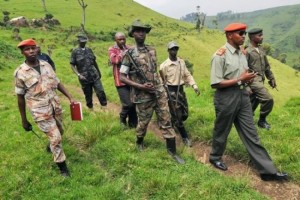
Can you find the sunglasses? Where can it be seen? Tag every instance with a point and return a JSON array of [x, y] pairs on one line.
[[241, 33]]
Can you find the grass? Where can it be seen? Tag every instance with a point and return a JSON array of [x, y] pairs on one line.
[[102, 156]]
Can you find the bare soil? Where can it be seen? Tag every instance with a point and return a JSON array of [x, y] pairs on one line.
[[272, 189]]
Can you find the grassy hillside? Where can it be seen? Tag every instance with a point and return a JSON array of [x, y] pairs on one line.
[[101, 155], [281, 27]]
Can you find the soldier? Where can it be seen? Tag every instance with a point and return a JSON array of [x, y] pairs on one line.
[[258, 62], [45, 57], [84, 65], [35, 84], [175, 75], [116, 54], [148, 93], [229, 74]]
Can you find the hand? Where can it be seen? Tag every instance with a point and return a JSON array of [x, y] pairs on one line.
[[272, 83], [196, 89], [148, 87], [72, 101], [81, 77], [247, 76], [26, 125]]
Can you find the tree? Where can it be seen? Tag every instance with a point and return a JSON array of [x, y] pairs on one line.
[[83, 6]]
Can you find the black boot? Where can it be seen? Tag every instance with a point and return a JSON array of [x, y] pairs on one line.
[[63, 169], [171, 148], [184, 136], [140, 143], [262, 123]]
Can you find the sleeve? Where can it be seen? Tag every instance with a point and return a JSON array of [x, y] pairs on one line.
[[73, 58], [115, 57], [125, 67], [269, 74], [188, 78], [19, 84], [216, 75]]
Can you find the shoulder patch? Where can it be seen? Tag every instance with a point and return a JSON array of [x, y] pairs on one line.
[[221, 51]]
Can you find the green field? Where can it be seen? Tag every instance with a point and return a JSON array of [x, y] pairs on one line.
[[101, 155]]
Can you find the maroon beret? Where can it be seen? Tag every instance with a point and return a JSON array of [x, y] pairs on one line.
[[28, 42], [235, 27]]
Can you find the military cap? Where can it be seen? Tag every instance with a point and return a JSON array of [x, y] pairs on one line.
[[172, 44], [82, 37], [235, 27], [27, 42], [255, 31], [137, 24]]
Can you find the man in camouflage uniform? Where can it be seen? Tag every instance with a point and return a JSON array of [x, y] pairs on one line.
[[147, 91], [35, 85], [258, 62], [84, 65], [175, 75]]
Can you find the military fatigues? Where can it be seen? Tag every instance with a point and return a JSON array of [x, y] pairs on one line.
[[85, 62], [176, 75], [257, 61], [43, 102], [146, 103], [232, 106]]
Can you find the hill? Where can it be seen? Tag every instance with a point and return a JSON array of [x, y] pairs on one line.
[[101, 154], [281, 27]]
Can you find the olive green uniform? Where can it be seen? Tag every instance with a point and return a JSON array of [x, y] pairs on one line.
[[232, 106], [257, 61]]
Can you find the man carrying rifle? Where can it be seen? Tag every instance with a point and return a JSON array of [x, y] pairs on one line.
[[149, 95], [258, 62], [175, 74]]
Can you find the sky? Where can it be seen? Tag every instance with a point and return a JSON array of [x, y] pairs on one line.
[[179, 8]]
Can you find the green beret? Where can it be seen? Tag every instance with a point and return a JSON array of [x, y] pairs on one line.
[[254, 31], [137, 24]]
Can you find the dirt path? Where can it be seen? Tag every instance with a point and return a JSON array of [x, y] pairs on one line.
[[200, 150]]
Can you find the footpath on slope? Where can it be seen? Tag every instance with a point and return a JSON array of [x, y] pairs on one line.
[[272, 189]]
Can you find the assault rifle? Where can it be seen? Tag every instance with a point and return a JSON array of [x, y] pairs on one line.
[[171, 105]]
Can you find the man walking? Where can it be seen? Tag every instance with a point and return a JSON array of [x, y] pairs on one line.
[[148, 93], [229, 74], [258, 62], [84, 65], [175, 74], [35, 85], [116, 54]]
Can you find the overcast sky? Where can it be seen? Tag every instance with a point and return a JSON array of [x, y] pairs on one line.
[[179, 8]]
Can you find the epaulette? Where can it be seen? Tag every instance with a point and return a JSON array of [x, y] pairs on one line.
[[221, 51], [16, 71]]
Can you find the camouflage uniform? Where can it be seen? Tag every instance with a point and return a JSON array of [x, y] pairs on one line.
[[85, 62], [146, 103], [43, 102]]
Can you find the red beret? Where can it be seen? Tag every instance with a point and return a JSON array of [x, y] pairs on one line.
[[28, 42], [235, 27]]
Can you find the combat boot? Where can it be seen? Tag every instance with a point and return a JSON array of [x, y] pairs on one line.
[[262, 123], [184, 136], [140, 143], [63, 169], [171, 148]]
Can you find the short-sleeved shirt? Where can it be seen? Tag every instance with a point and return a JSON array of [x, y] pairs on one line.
[[84, 60], [257, 61], [227, 63], [39, 90], [145, 60], [176, 72]]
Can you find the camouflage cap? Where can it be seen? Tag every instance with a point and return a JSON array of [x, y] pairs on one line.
[[137, 24], [82, 37]]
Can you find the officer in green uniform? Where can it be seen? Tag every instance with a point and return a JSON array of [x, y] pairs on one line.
[[229, 74], [258, 62], [148, 93]]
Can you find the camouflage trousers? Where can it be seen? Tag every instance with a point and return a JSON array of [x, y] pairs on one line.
[[145, 111], [53, 129]]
